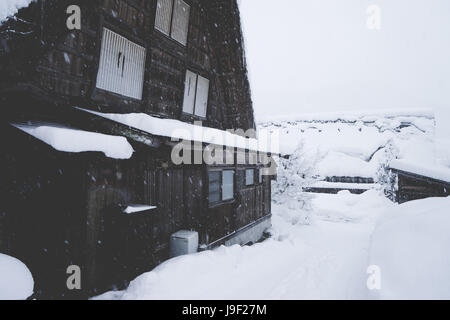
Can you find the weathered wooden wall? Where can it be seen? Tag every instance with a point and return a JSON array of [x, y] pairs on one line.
[[63, 64], [414, 187]]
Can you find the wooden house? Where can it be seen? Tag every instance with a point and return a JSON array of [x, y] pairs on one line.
[[414, 182], [66, 99]]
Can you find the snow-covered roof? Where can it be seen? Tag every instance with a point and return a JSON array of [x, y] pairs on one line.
[[180, 130], [430, 170], [9, 8], [359, 148], [348, 186], [68, 139], [351, 116]]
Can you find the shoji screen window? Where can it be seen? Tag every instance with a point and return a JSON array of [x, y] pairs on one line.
[[172, 19], [122, 66], [196, 91]]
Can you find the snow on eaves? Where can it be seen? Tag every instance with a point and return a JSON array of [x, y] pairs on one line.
[[179, 130], [72, 140], [430, 170], [137, 208], [9, 8]]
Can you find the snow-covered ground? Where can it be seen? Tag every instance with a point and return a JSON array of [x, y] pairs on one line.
[[325, 260]]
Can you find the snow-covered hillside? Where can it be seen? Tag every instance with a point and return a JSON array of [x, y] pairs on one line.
[[358, 144]]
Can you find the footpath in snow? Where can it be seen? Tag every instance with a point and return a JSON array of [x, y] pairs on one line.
[[325, 260]]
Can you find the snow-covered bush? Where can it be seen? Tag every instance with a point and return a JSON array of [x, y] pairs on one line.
[[385, 178], [293, 175]]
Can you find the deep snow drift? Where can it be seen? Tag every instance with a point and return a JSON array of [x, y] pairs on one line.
[[325, 260], [16, 281], [410, 245]]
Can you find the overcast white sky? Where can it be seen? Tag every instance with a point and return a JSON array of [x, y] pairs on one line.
[[318, 55]]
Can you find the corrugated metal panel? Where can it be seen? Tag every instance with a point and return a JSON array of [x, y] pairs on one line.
[[122, 66], [190, 85], [201, 101], [180, 24], [163, 15]]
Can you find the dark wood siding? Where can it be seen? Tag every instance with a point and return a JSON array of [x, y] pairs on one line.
[[414, 187]]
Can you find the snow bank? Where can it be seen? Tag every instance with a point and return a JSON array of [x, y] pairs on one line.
[[431, 170], [443, 151], [351, 207], [411, 244], [9, 8], [342, 165], [180, 130], [71, 140], [16, 281]]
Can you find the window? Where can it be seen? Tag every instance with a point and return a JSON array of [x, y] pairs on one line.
[[249, 177], [214, 186], [221, 186], [172, 19], [122, 66], [196, 91], [227, 185], [260, 176]]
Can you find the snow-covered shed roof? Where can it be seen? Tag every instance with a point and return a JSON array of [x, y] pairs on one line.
[[180, 130], [9, 8], [68, 139], [433, 171]]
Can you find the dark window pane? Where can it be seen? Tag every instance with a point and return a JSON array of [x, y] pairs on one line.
[[214, 186], [249, 177]]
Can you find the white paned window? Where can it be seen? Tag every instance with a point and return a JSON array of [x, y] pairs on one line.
[[190, 89], [227, 185], [196, 91], [172, 19], [122, 66]]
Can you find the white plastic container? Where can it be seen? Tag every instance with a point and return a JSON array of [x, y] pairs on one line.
[[183, 242]]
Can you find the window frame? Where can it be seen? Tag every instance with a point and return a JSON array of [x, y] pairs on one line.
[[171, 21], [127, 41], [253, 180], [221, 201], [194, 109]]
